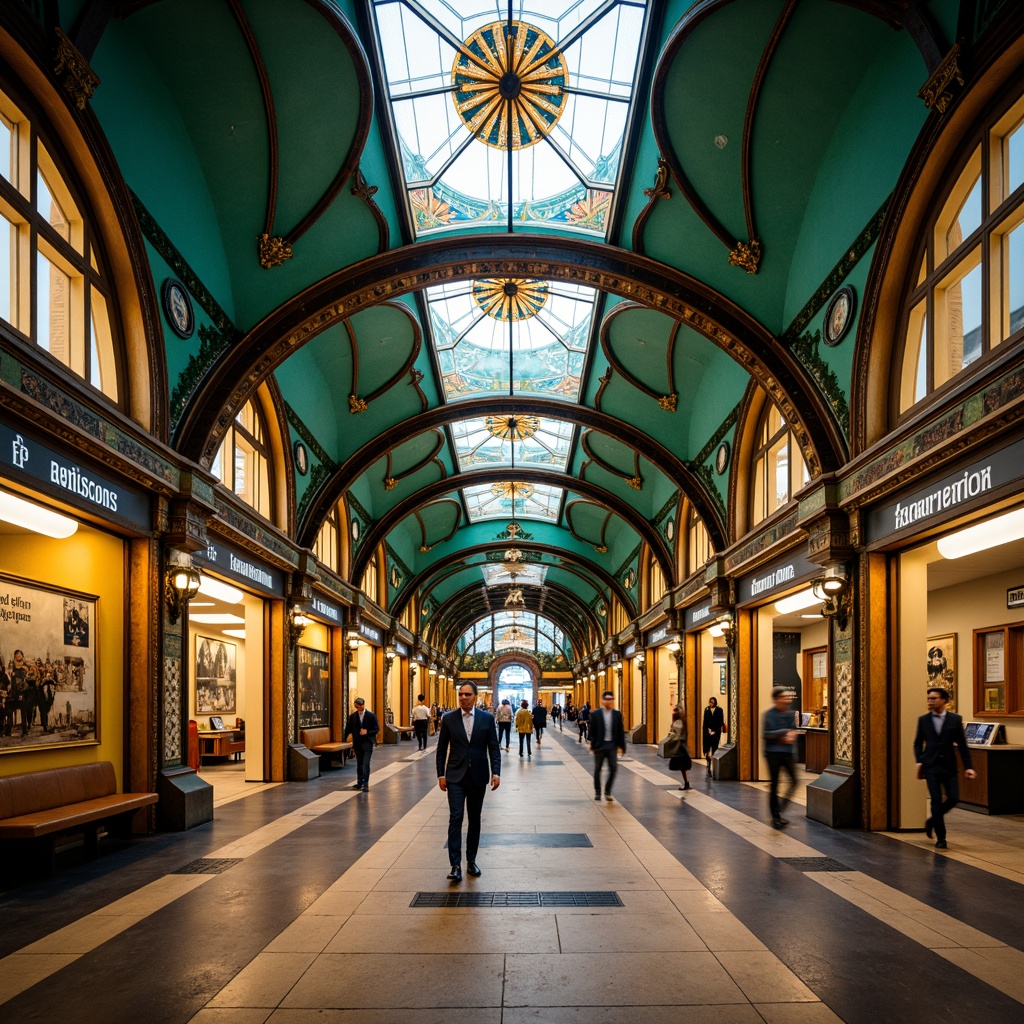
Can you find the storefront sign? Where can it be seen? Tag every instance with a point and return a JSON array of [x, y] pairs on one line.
[[698, 616], [656, 636], [1015, 597], [401, 650], [325, 610], [778, 576], [71, 480], [946, 497], [241, 567], [369, 633]]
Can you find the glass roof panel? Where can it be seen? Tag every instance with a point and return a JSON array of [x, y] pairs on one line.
[[536, 108], [530, 574], [488, 440], [546, 324], [494, 501]]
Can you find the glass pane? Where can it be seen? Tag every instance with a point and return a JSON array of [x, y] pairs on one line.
[[1014, 243], [487, 441], [958, 329], [778, 469], [921, 378], [8, 269], [1015, 158], [967, 220], [6, 149], [758, 509], [53, 309], [51, 209], [102, 364]]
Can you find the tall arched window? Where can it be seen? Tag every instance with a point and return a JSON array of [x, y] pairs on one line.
[[779, 470], [54, 291], [967, 298], [326, 547], [655, 581], [243, 462], [698, 543], [371, 578]]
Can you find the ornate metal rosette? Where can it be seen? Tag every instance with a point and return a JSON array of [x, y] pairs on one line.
[[511, 490], [510, 298], [505, 69], [512, 428]]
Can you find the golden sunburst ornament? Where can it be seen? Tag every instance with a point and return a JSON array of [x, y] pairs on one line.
[[511, 490], [512, 428], [510, 298], [505, 69]]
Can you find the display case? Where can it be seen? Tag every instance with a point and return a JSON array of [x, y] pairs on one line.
[[998, 665]]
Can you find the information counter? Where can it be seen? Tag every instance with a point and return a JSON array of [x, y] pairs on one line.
[[999, 786]]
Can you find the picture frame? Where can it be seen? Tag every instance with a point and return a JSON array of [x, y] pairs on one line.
[[177, 306], [49, 682], [301, 458], [216, 722], [215, 689], [839, 315], [940, 665], [313, 687]]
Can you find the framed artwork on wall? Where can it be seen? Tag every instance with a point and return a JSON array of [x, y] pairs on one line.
[[49, 689], [941, 666], [314, 688], [215, 676]]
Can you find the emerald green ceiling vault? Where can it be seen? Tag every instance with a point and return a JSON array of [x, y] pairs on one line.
[[785, 123]]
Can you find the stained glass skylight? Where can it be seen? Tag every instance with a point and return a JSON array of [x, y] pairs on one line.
[[542, 634], [533, 94], [546, 324], [488, 440], [494, 501], [531, 574]]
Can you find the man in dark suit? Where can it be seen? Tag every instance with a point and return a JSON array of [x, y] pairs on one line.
[[467, 756], [938, 734], [363, 728], [607, 741]]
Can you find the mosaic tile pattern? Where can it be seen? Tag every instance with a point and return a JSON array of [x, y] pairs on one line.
[[172, 710], [842, 712]]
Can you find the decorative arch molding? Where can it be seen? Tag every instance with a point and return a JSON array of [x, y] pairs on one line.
[[654, 452], [412, 268], [643, 527], [504, 661]]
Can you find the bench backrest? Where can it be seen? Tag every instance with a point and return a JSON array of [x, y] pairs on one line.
[[314, 737], [55, 787]]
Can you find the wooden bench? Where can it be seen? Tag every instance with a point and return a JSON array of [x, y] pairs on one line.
[[404, 731], [38, 806], [319, 741]]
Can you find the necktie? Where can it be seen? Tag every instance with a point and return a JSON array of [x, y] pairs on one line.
[[467, 721]]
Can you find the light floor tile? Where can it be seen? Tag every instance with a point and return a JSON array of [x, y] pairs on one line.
[[309, 933], [265, 981], [797, 1013], [734, 1013], [723, 932], [409, 1015], [337, 903], [627, 933], [81, 936], [20, 971], [764, 978], [231, 1015]]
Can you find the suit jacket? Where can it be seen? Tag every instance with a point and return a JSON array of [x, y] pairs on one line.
[[457, 757], [936, 752], [370, 724], [597, 736]]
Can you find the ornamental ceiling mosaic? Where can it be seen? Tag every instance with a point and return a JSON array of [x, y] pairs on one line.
[[512, 114]]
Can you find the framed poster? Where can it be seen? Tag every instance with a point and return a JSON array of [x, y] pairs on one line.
[[215, 676], [49, 693], [314, 688], [941, 666]]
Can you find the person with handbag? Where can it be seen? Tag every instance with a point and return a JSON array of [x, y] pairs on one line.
[[712, 729], [678, 753]]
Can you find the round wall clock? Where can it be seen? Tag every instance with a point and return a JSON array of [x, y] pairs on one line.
[[839, 315], [177, 305], [722, 458], [301, 458]]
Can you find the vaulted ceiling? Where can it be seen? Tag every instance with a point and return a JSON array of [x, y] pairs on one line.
[[333, 179]]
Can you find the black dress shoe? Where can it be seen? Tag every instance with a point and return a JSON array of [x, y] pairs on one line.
[[940, 844], [928, 827], [472, 869], [455, 875], [366, 789], [356, 785]]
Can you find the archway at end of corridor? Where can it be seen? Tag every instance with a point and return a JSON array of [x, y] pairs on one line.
[[515, 684]]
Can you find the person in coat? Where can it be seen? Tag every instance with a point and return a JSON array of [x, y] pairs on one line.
[[524, 726], [363, 727]]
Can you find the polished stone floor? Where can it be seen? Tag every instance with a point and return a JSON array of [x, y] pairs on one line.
[[294, 905]]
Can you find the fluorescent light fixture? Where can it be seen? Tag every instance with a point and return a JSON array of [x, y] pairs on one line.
[[240, 633], [797, 602], [202, 604], [30, 516], [812, 616], [217, 619], [989, 534], [220, 591]]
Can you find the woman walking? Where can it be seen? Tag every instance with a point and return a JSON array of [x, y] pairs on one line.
[[680, 762], [524, 726], [712, 729]]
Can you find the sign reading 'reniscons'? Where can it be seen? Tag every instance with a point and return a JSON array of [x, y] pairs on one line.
[[941, 500]]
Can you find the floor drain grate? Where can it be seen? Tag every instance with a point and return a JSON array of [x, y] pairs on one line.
[[815, 864], [208, 866], [516, 899]]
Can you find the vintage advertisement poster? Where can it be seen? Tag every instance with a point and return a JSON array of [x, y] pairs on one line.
[[215, 676], [314, 684], [48, 684]]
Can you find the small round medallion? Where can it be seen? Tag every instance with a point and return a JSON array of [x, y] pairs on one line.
[[177, 305], [355, 529], [301, 458], [722, 458], [670, 529], [839, 315]]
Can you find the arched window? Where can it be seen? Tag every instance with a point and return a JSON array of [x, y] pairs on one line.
[[243, 462], [698, 544], [326, 547], [371, 579], [967, 298], [48, 251], [779, 470], [655, 581]]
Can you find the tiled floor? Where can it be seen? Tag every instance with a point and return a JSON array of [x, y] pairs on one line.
[[301, 910]]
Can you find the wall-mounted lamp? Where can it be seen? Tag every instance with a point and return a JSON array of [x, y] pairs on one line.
[[181, 584], [593, 677], [297, 623], [353, 644], [725, 627], [640, 659], [432, 671], [390, 652], [673, 643], [618, 669], [831, 588]]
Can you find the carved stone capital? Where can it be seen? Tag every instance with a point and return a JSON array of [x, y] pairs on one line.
[[945, 82], [186, 525], [273, 251], [746, 255], [830, 538], [79, 80]]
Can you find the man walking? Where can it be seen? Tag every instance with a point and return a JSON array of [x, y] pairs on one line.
[[938, 733], [540, 720], [363, 728], [467, 755], [607, 741], [420, 716], [778, 728]]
